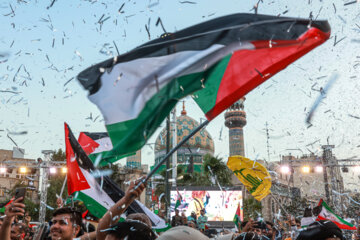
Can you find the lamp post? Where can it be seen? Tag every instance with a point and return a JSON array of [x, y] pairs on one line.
[[327, 154], [44, 183]]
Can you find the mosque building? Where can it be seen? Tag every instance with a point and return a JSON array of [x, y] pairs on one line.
[[193, 151]]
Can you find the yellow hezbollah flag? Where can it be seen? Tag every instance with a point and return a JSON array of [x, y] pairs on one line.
[[252, 174]]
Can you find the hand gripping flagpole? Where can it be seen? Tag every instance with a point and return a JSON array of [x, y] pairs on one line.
[[172, 151]]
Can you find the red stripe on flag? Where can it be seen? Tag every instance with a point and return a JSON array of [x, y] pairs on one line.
[[75, 178], [341, 226], [249, 68]]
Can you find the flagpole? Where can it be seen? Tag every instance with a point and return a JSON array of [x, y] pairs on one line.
[[167, 189], [281, 206], [172, 151]]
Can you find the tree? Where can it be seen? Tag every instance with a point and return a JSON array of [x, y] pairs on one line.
[[218, 168], [297, 207], [252, 208], [55, 184]]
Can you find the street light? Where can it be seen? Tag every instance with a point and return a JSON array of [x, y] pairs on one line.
[[285, 169], [23, 170], [2, 170], [64, 170], [52, 170], [319, 169], [305, 169], [357, 168]]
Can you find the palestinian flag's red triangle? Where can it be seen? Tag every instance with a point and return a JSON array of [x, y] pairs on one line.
[[75, 179]]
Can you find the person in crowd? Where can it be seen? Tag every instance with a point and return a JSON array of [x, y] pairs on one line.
[[8, 230], [140, 217], [248, 236], [19, 231], [176, 220], [182, 233], [130, 229], [192, 217], [184, 218], [191, 224], [202, 220], [321, 230], [66, 224], [113, 214]]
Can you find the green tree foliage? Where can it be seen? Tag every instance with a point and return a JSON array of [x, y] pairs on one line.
[[252, 208], [115, 176], [218, 168], [55, 184], [33, 209], [205, 178], [297, 207]]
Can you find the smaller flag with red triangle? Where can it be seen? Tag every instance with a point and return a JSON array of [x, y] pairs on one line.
[[237, 217], [328, 214]]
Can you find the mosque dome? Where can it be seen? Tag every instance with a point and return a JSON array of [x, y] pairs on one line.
[[197, 146]]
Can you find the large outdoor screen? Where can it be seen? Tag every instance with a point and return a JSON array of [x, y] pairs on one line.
[[219, 205]]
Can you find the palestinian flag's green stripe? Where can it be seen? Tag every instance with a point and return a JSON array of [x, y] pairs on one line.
[[129, 136], [94, 207], [206, 98]]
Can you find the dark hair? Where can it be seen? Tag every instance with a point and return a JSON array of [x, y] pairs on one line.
[[75, 215], [248, 236], [321, 230], [22, 227], [133, 230], [140, 217]]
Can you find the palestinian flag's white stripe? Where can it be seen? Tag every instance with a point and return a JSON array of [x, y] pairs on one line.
[[128, 87], [328, 214], [96, 192], [159, 223], [105, 145]]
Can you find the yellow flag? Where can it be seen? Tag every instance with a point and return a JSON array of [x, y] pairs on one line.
[[252, 174]]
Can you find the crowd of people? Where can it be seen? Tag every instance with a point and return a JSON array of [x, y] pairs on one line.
[[67, 224]]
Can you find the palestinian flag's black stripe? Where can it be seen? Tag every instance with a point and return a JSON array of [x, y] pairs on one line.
[[97, 135], [223, 30]]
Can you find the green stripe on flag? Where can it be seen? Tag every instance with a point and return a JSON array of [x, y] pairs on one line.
[[130, 136], [93, 206], [339, 218], [206, 98]]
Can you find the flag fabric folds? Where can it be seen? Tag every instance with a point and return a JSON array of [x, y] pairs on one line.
[[96, 145], [237, 217], [4, 204], [328, 214], [98, 194], [178, 199], [252, 174], [217, 62]]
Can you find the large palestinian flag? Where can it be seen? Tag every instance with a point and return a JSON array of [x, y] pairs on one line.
[[328, 214], [217, 61], [98, 194]]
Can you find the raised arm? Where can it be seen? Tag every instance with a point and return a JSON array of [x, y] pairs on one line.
[[113, 215], [15, 208]]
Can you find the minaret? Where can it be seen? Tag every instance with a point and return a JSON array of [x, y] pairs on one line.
[[235, 120]]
